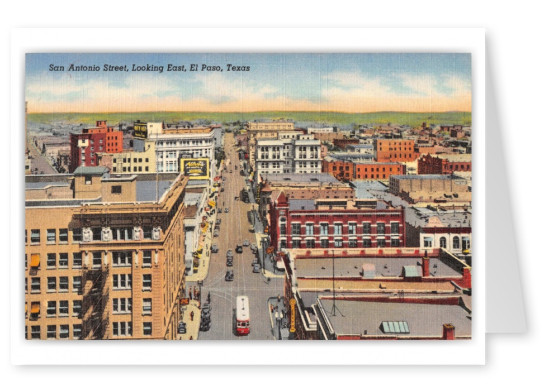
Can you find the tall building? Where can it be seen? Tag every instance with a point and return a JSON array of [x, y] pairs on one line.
[[104, 256], [395, 150], [299, 154], [263, 126], [85, 146]]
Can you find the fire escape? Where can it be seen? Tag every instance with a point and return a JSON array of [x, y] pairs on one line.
[[95, 299]]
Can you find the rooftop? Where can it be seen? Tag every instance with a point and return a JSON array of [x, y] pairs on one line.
[[301, 178]]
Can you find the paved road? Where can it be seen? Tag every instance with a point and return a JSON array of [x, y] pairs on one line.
[[39, 163], [233, 230]]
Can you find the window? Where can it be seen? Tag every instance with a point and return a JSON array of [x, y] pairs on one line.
[[122, 328], [77, 283], [310, 243], [147, 328], [63, 235], [282, 226], [366, 242], [35, 332], [380, 228], [295, 228], [427, 242], [147, 232], [77, 331], [324, 229], [352, 228], [63, 284], [50, 236], [51, 261], [295, 243], [64, 308], [122, 258], [443, 242], [88, 179], [96, 233], [456, 242], [380, 243], [309, 229], [352, 243], [338, 242], [325, 243], [77, 260], [63, 261], [52, 331], [394, 242], [146, 286], [77, 234], [146, 306], [366, 228], [51, 284], [116, 189], [394, 228], [51, 309], [338, 229], [77, 308], [96, 260], [122, 305], [35, 285], [122, 281], [146, 258], [283, 244], [465, 243]]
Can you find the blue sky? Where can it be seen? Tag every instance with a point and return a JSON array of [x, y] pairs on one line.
[[329, 82]]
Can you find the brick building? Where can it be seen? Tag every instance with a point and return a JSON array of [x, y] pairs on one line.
[[343, 142], [104, 258], [395, 150], [335, 223], [86, 145], [431, 188], [348, 170], [443, 164]]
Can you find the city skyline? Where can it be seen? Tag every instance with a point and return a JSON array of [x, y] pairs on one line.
[[349, 83]]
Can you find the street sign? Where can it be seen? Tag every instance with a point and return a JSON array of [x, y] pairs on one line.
[[292, 304]]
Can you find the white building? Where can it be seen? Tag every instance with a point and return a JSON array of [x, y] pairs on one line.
[[289, 153], [329, 129]]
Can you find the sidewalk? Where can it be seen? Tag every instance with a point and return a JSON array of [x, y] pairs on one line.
[[192, 325], [269, 270], [278, 318]]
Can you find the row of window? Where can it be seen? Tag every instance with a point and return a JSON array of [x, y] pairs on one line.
[[326, 243], [128, 160], [61, 260], [55, 284], [323, 228], [443, 242], [134, 169], [61, 236], [52, 331]]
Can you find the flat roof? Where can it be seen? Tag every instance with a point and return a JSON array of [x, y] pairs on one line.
[[426, 176], [301, 178], [93, 170], [150, 191], [300, 204], [384, 267], [423, 320]]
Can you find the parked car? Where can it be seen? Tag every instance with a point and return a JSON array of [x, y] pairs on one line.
[[239, 249], [226, 210], [205, 325], [229, 261], [246, 243], [219, 210], [215, 233], [182, 329], [218, 221], [254, 249], [229, 275], [221, 190], [256, 267], [214, 248], [251, 228], [229, 253]]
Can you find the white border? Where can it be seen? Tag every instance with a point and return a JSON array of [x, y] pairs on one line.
[[233, 40]]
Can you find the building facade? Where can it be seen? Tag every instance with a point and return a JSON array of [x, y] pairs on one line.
[[395, 150], [270, 126], [101, 265], [300, 154], [335, 224], [443, 164]]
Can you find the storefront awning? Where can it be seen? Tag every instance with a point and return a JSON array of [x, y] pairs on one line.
[[35, 260], [35, 308]]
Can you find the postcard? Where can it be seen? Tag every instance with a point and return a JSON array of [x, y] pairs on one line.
[[245, 196]]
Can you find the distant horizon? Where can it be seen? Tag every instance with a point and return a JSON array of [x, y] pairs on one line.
[[248, 112]]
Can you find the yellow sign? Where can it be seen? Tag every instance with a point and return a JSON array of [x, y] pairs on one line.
[[195, 168], [292, 303], [140, 130], [212, 204]]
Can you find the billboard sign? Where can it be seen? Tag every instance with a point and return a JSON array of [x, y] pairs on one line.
[[140, 130], [195, 168]]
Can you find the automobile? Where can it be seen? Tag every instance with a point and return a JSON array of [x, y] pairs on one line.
[[229, 275], [217, 227], [218, 221], [221, 190], [254, 249], [214, 248], [205, 312], [246, 243], [251, 228], [215, 233], [238, 249], [182, 329], [235, 167], [231, 171], [219, 211], [229, 253], [256, 267], [205, 325], [280, 265], [226, 210], [229, 261]]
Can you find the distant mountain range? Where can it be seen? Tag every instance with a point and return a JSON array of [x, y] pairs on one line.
[[327, 118]]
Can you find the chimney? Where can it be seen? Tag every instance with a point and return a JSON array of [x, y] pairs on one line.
[[426, 265], [448, 332]]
